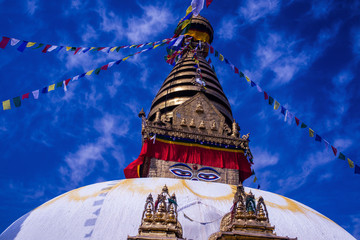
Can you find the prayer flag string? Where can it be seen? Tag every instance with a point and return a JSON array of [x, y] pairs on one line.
[[288, 116], [64, 83], [45, 48]]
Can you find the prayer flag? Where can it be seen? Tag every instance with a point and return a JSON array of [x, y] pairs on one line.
[[317, 138], [208, 2], [59, 84], [59, 49], [327, 145], [75, 78], [112, 49], [14, 41], [4, 42], [197, 6], [209, 61], [6, 105], [46, 48], [297, 121], [255, 179], [289, 117], [68, 48], [30, 44], [89, 72], [258, 186], [276, 105], [44, 90], [97, 71], [26, 95], [283, 110], [39, 46], [86, 50], [51, 87], [236, 70], [311, 132], [111, 64], [341, 156], [351, 163], [77, 49], [226, 61], [241, 74], [357, 169], [258, 88], [52, 48], [266, 96], [216, 53], [67, 81], [105, 67], [189, 10], [124, 59], [35, 94], [221, 57], [17, 101], [303, 125], [271, 100], [334, 150], [247, 79], [211, 50], [22, 46], [252, 84]]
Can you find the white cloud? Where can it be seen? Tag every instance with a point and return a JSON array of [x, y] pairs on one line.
[[255, 10], [88, 156], [320, 9], [356, 226], [263, 158], [228, 28], [32, 5], [89, 34]]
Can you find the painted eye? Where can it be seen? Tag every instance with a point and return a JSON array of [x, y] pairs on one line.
[[181, 173], [208, 176]]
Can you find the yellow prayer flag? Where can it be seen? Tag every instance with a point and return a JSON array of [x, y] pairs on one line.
[[89, 72], [133, 46], [255, 179], [112, 49], [221, 57], [30, 44], [92, 48], [277, 105], [185, 24], [311, 132], [124, 59], [68, 48], [156, 46], [351, 163], [247, 79], [189, 10], [51, 87], [6, 105]]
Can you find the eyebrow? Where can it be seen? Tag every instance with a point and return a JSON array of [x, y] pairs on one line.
[[181, 164], [208, 168]]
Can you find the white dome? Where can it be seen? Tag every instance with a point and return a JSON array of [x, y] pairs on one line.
[[113, 210]]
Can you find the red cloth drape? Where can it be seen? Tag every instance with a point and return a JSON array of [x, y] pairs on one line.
[[194, 154]]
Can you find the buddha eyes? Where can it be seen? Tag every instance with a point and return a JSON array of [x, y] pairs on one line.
[[208, 176], [180, 172]]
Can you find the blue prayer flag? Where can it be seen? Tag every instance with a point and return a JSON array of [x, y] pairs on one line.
[[317, 138], [357, 169], [22, 46], [283, 110], [44, 90], [253, 84]]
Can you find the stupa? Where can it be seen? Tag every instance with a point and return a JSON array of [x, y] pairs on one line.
[[187, 181]]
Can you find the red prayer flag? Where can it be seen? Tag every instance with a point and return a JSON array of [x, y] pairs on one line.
[[105, 67], [209, 61], [67, 81], [4, 42], [266, 95], [26, 95], [297, 121], [208, 2], [77, 49], [46, 48], [100, 48], [236, 70], [334, 150], [211, 49]]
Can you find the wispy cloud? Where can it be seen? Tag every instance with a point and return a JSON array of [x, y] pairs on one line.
[[320, 9], [32, 5], [88, 156], [228, 27], [252, 11], [264, 158]]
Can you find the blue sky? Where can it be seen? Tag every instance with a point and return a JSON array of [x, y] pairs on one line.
[[305, 54]]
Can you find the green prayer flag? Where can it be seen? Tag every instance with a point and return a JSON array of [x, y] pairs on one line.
[[97, 71], [172, 201], [17, 101], [73, 49], [271, 100], [242, 74], [341, 156], [117, 49], [303, 125], [59, 84], [40, 45], [216, 53]]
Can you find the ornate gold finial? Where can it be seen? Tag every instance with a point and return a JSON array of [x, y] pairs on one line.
[[192, 123], [246, 220], [235, 129], [202, 125], [183, 122], [142, 113], [160, 219], [199, 108]]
